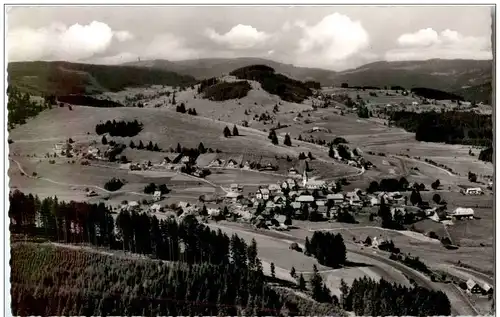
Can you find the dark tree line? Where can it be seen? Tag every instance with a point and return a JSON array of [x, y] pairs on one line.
[[328, 248], [389, 185], [88, 101], [120, 128], [453, 127], [486, 154], [367, 297], [149, 147], [182, 109]]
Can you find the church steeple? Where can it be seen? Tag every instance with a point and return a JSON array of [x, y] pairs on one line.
[[304, 178]]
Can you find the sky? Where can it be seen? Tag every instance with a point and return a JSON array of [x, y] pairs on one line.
[[329, 37]]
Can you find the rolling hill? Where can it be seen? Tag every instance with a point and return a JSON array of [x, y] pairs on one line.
[[64, 78], [454, 76]]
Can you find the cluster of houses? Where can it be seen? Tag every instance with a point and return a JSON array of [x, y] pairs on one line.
[[475, 288]]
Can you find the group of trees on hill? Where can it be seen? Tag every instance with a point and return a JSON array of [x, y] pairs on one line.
[[227, 132], [435, 94], [328, 248], [182, 109], [221, 91], [20, 106], [149, 147], [113, 184], [119, 128], [389, 185], [365, 298], [453, 127], [152, 187], [277, 84]]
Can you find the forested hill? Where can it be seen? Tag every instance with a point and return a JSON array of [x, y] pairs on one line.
[[453, 127], [65, 78], [277, 84]]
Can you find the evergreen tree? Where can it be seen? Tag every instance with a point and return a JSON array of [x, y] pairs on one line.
[[415, 197], [150, 146], [132, 145], [302, 283], [288, 141], [235, 131], [104, 141], [156, 148], [201, 148], [140, 146], [273, 272], [227, 132], [178, 149], [293, 273]]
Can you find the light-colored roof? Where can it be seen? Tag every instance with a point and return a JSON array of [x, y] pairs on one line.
[[157, 193], [274, 187], [233, 195], [470, 283], [335, 196], [305, 198], [264, 191], [156, 207], [133, 203], [295, 205]]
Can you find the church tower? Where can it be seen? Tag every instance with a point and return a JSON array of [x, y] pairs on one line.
[[304, 178]]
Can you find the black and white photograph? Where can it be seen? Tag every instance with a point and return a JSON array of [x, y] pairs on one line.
[[249, 160]]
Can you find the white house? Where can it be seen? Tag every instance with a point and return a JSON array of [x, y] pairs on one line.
[[262, 193], [305, 199], [473, 287], [216, 163], [232, 163], [274, 188], [337, 199], [156, 208], [414, 103], [295, 205], [473, 191], [157, 195], [132, 205], [91, 193], [462, 213]]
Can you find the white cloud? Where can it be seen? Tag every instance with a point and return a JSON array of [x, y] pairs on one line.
[[423, 37], [239, 37], [123, 36], [59, 42], [448, 44], [333, 39]]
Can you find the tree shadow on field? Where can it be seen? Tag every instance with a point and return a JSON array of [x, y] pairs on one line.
[[349, 264]]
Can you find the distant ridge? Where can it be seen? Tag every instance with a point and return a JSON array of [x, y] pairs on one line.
[[454, 76]]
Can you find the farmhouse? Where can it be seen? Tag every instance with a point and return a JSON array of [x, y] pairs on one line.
[[462, 213], [305, 199], [374, 201], [274, 188], [91, 193], [246, 165], [473, 287], [292, 171], [262, 193], [157, 195], [156, 208], [216, 163], [472, 191], [336, 199], [232, 164]]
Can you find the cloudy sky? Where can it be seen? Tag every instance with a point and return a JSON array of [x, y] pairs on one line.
[[334, 37]]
